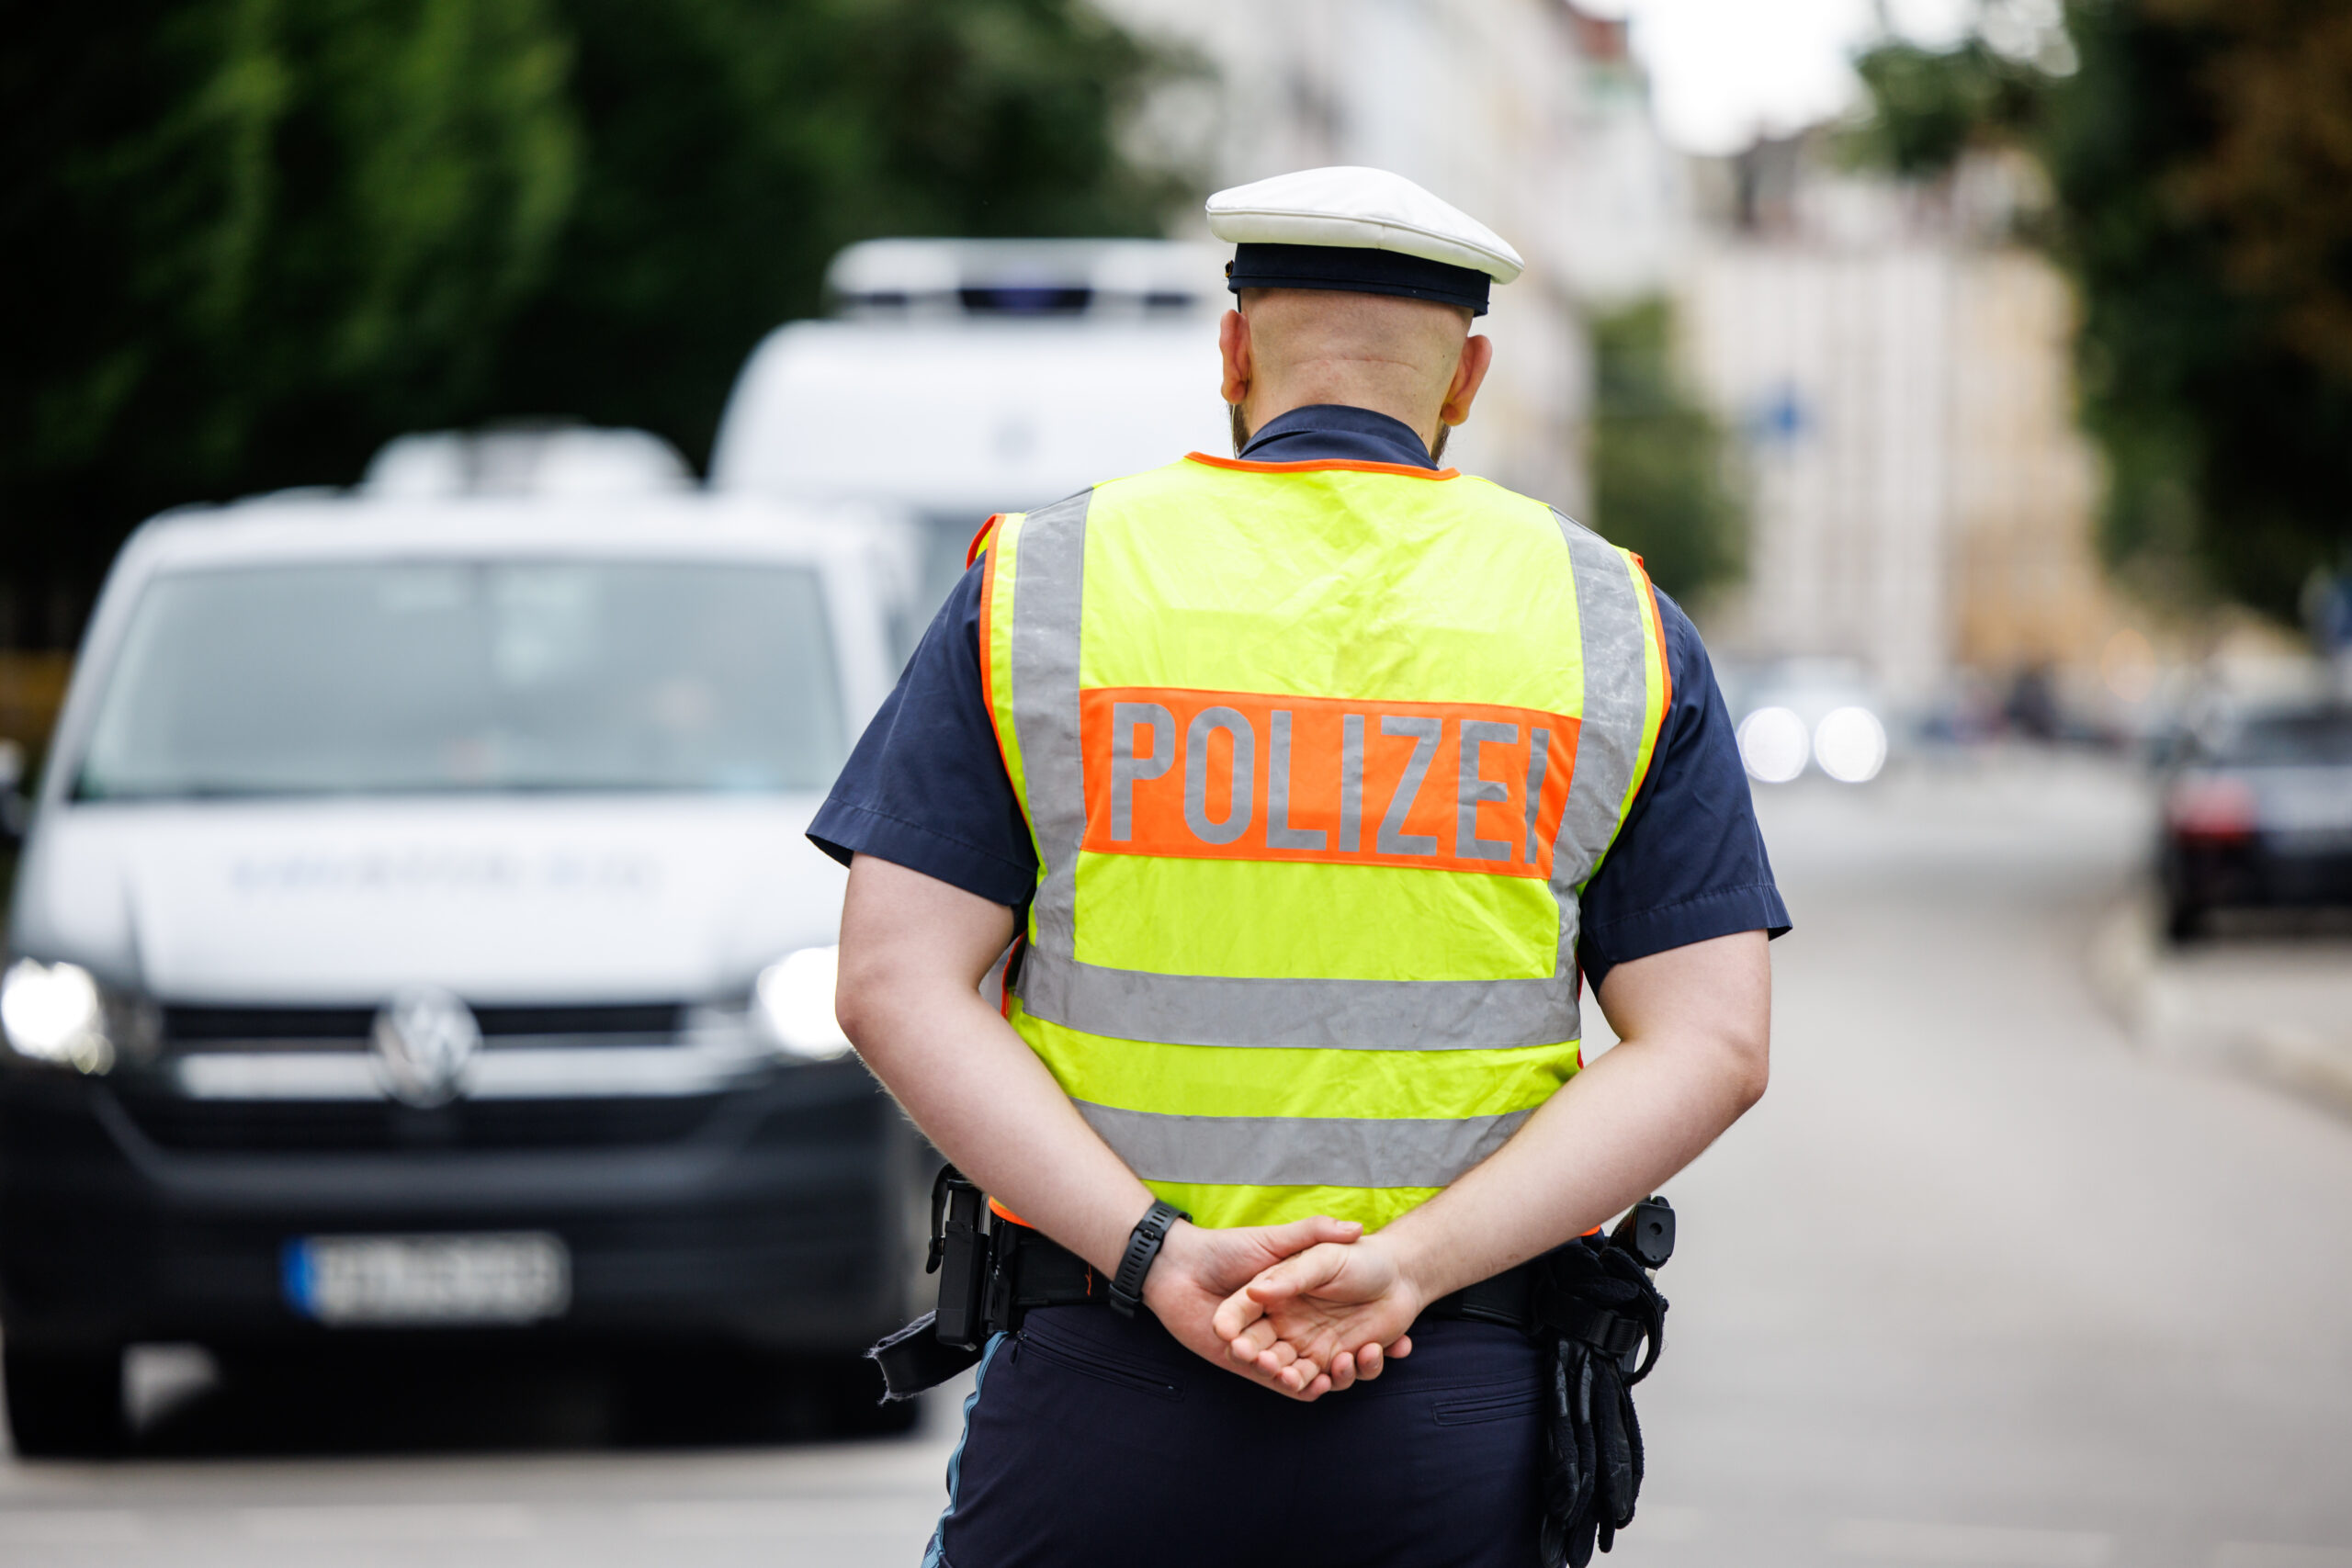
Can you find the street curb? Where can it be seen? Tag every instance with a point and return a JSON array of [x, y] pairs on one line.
[[2292, 1029]]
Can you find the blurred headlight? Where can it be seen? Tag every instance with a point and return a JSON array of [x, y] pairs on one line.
[[1772, 744], [1850, 745], [52, 1013], [795, 1001]]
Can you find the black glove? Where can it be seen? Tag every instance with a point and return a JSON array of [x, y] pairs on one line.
[[1596, 1306]]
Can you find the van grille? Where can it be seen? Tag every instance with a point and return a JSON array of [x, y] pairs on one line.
[[215, 1127], [265, 1028]]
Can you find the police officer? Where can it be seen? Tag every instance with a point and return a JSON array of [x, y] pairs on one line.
[[1306, 785]]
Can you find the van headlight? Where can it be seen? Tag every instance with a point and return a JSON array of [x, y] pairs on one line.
[[794, 1001], [53, 1012]]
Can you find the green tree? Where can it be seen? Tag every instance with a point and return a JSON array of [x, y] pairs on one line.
[[1933, 104], [734, 145], [247, 238], [2200, 158], [1658, 457], [250, 240]]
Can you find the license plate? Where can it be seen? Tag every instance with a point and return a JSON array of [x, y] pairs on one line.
[[516, 1276]]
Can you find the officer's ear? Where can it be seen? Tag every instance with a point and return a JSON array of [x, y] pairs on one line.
[[1233, 346], [1469, 375]]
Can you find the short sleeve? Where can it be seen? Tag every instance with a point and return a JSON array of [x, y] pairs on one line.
[[1689, 863], [925, 787]]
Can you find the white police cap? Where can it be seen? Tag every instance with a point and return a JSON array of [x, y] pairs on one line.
[[1364, 230]]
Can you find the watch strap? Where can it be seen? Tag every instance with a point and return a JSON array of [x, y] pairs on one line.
[[1143, 1249]]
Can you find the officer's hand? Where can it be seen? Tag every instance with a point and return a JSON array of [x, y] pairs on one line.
[[1329, 1314], [1197, 1269]]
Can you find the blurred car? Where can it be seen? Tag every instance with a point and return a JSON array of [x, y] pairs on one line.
[[1801, 713], [960, 378], [2259, 812], [415, 933]]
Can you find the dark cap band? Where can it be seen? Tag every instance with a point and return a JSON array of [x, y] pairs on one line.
[[1355, 270]]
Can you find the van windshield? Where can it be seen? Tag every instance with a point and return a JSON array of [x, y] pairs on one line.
[[470, 676]]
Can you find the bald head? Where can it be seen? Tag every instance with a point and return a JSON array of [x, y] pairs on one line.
[[1412, 359]]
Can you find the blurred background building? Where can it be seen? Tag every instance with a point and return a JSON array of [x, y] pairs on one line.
[[1898, 366]]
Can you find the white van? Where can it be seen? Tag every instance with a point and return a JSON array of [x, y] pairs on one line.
[[416, 931], [960, 378]]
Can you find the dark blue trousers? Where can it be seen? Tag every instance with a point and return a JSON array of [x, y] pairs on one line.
[[1092, 1438]]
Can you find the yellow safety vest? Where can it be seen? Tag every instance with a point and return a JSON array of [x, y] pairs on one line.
[[1317, 758]]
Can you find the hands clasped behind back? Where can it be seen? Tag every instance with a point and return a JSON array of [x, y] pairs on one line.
[[1306, 1309], [1327, 1315]]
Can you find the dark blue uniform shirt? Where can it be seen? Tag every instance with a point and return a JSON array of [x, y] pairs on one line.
[[926, 787]]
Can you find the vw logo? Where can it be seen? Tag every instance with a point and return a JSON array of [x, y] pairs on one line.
[[425, 1039]]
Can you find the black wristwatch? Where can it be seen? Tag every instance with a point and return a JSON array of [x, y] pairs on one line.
[[1143, 1246]]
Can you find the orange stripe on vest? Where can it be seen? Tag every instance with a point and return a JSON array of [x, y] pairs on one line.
[[1238, 775], [980, 538]]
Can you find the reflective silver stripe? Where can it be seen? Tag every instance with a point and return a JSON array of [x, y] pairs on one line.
[[1616, 704], [1050, 578], [1352, 1015], [1298, 1151]]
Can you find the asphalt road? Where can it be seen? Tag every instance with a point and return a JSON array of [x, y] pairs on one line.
[[1981, 1282]]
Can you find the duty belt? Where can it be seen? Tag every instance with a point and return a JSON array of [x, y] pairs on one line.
[[992, 1277]]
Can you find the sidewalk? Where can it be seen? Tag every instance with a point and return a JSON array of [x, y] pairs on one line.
[[2272, 1002]]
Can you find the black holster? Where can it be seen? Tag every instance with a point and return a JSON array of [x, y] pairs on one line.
[[1595, 1308], [990, 1277], [951, 1336]]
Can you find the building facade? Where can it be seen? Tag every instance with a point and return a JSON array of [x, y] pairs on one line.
[[1900, 370]]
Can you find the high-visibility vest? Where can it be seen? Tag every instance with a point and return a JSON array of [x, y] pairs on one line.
[[1318, 758]]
